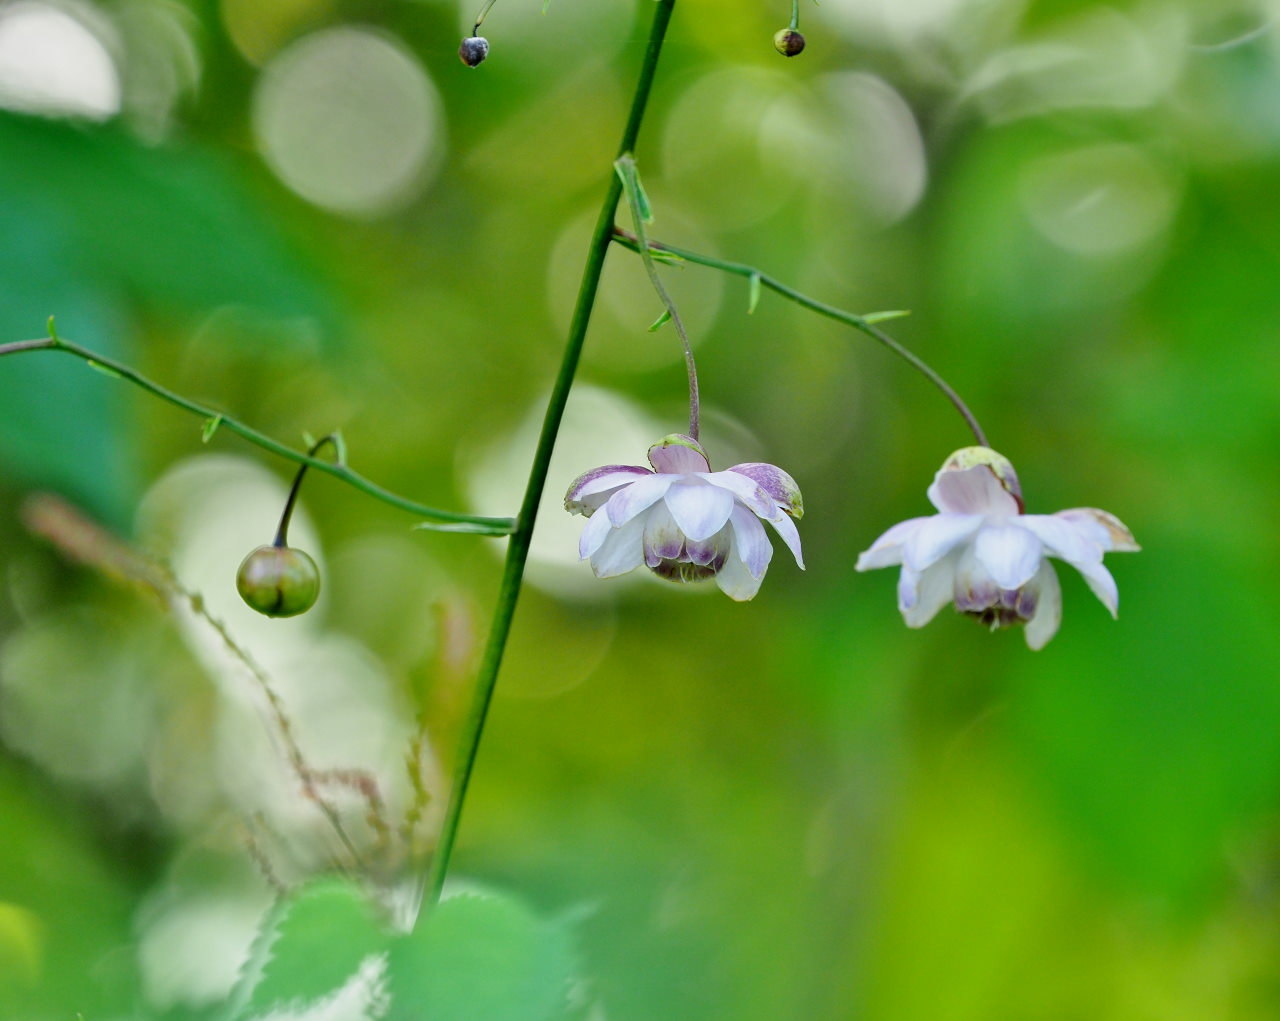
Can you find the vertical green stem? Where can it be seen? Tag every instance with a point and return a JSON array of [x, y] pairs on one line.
[[518, 549]]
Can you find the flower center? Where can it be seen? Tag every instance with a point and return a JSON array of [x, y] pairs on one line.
[[685, 570]]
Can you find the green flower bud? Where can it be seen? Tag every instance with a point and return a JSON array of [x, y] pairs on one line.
[[473, 50], [278, 581], [788, 42]]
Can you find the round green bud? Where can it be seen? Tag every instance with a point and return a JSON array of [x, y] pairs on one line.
[[788, 42], [473, 50], [278, 581]]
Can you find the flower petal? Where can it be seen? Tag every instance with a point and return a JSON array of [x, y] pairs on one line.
[[786, 528], [621, 551], [922, 594], [1107, 530], [887, 550], [700, 509], [594, 534], [973, 490], [678, 454], [626, 503], [1102, 585], [710, 552], [591, 489], [937, 536], [736, 581], [780, 486], [663, 539], [750, 541], [1048, 615], [746, 491], [1011, 553], [1076, 543]]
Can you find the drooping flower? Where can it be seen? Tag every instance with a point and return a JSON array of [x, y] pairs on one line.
[[983, 553], [684, 521]]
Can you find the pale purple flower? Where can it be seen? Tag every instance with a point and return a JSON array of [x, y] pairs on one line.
[[983, 553], [684, 521]]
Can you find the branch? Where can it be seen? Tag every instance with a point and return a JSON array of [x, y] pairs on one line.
[[436, 519], [865, 324]]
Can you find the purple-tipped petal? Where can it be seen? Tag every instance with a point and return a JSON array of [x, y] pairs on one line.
[[642, 494], [591, 489], [1048, 615], [750, 541], [974, 588], [888, 549], [594, 534], [973, 490], [1011, 554], [1107, 530], [937, 536], [663, 539], [736, 581], [922, 594], [700, 509], [678, 454], [780, 486], [745, 490], [621, 551], [786, 528], [708, 551]]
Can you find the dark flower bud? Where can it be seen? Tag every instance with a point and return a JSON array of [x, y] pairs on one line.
[[278, 581], [474, 49], [788, 42]]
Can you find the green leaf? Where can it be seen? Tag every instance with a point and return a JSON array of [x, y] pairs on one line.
[[481, 958], [657, 323], [632, 185], [210, 427], [311, 945], [884, 317], [753, 298]]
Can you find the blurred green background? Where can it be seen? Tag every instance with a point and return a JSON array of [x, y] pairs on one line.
[[309, 214]]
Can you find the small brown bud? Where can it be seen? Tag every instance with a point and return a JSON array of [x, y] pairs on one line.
[[473, 50], [788, 42]]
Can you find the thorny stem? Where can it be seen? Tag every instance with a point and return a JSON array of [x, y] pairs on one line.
[[862, 323], [518, 548], [626, 166], [439, 520]]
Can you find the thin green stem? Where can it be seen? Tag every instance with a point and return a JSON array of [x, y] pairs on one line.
[[282, 533], [862, 323], [481, 16], [626, 166], [439, 520], [518, 548], [795, 15]]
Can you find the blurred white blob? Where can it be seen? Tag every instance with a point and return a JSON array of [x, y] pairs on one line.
[[343, 709], [1101, 58], [900, 21], [737, 141], [600, 427], [162, 59], [873, 142], [1098, 200], [349, 120], [55, 59], [628, 305]]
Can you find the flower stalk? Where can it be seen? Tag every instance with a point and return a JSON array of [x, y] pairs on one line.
[[518, 547]]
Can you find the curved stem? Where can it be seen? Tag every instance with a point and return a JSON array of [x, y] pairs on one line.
[[282, 533], [481, 16], [518, 548], [795, 15], [439, 520], [626, 166], [862, 323]]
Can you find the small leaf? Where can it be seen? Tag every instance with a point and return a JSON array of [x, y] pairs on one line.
[[753, 298], [308, 440], [313, 944], [106, 370], [52, 327], [631, 184], [339, 447], [882, 317], [670, 258], [481, 958], [657, 323], [210, 427]]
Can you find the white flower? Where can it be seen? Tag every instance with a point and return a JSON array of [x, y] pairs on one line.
[[684, 521], [982, 552]]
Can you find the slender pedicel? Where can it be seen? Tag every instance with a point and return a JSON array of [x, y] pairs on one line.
[[862, 323], [476, 47]]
